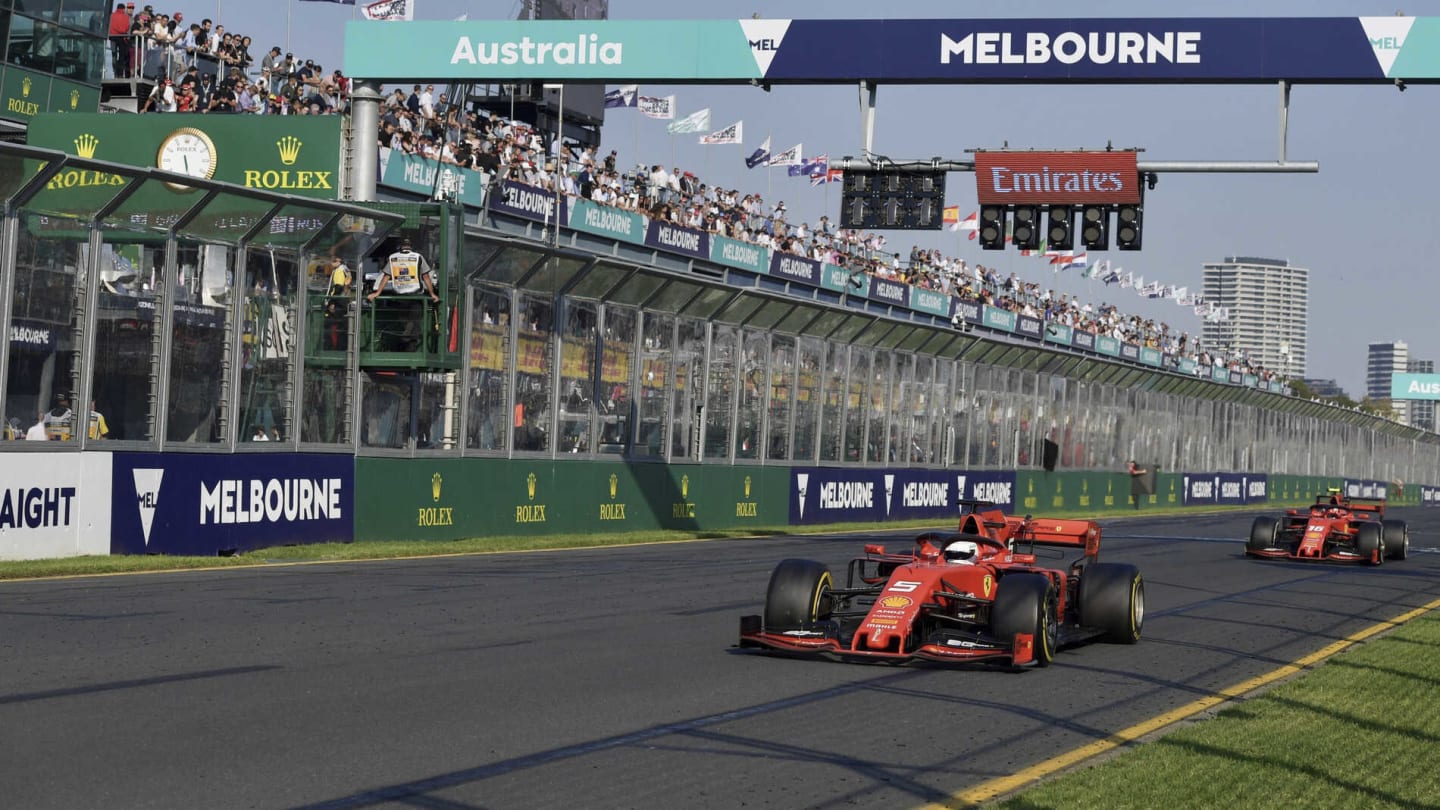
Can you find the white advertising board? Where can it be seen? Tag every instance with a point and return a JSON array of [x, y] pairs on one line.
[[54, 505]]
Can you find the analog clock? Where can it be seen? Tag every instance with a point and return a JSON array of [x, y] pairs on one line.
[[187, 151]]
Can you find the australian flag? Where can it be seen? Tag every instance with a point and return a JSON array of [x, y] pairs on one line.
[[816, 165]]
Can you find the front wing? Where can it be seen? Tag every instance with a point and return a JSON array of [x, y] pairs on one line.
[[822, 643], [1335, 554]]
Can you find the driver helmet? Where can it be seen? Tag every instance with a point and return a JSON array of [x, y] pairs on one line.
[[961, 551]]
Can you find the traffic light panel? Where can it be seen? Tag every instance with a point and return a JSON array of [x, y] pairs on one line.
[[1025, 231], [892, 199], [992, 227], [1095, 227], [1127, 226], [1059, 233]]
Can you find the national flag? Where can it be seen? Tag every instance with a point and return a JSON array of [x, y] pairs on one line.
[[790, 157], [731, 134], [698, 121], [1156, 290], [626, 96], [657, 106], [951, 216], [830, 176], [1061, 260], [341, 2], [1200, 310], [1079, 260], [759, 155], [971, 224], [1128, 281], [811, 167], [1039, 250], [1179, 293], [389, 10]]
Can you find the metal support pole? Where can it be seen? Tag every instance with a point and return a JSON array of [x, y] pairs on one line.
[[1284, 115], [867, 117], [364, 124]]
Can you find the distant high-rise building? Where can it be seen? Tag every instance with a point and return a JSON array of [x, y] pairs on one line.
[[1269, 305], [1422, 411], [1382, 361], [1324, 388]]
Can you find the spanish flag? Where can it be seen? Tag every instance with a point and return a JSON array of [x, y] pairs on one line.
[[951, 215]]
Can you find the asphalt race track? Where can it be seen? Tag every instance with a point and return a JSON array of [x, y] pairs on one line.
[[602, 678]]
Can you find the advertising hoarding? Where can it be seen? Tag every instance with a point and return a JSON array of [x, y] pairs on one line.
[[203, 504], [1006, 178], [54, 505], [831, 495]]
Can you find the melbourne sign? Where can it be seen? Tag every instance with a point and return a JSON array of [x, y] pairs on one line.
[[1056, 177], [1136, 50], [1415, 386], [829, 495], [182, 503]]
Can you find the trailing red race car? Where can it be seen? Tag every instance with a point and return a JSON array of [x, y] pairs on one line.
[[1336, 528], [977, 594]]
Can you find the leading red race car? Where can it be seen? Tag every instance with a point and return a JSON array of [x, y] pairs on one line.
[[1335, 528], [977, 594]]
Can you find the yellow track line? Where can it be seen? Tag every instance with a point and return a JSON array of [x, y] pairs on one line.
[[995, 788]]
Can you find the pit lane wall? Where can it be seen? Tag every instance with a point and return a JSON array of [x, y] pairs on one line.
[[448, 499], [95, 503]]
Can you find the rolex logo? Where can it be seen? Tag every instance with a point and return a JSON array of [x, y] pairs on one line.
[[684, 487], [289, 149], [614, 481], [747, 487], [25, 87], [74, 99], [435, 481], [530, 485], [85, 145]]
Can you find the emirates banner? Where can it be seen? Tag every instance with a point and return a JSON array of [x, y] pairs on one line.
[[1056, 177]]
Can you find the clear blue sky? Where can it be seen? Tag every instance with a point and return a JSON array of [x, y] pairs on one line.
[[1365, 225]]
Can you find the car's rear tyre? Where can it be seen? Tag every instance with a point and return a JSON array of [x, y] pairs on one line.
[[1368, 542], [1026, 603], [799, 594], [1395, 534], [1264, 534], [1112, 599]]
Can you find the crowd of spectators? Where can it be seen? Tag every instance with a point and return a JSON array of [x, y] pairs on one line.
[[200, 67], [422, 122]]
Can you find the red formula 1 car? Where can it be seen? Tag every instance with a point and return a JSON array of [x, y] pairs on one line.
[[1335, 528], [977, 594]]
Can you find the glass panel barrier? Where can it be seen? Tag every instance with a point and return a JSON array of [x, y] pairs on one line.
[[127, 349], [48, 313], [754, 379], [534, 363], [685, 424], [832, 413], [577, 379], [267, 366], [200, 344], [720, 390], [656, 356], [782, 391], [616, 369], [490, 419]]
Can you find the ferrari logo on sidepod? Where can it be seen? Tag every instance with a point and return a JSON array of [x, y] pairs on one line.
[[988, 584]]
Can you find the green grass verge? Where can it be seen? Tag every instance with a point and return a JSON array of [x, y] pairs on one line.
[[380, 550], [1338, 737]]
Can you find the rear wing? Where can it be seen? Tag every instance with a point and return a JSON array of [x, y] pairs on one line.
[[1084, 534]]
